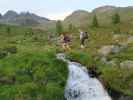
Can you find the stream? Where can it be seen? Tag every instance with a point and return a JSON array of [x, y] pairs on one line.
[[80, 86]]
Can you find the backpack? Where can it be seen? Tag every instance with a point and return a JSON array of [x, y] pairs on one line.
[[67, 39], [85, 35]]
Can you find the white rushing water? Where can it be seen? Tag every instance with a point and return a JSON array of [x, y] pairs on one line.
[[80, 86]]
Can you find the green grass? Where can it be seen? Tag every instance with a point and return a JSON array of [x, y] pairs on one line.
[[81, 57], [118, 79], [34, 73], [126, 54], [29, 76], [114, 77]]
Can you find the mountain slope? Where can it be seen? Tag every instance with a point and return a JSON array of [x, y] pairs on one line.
[[104, 15], [24, 18], [78, 18]]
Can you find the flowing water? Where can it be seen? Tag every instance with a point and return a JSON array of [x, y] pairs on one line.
[[80, 86]]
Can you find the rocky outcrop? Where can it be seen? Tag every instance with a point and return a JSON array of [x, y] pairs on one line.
[[106, 50]]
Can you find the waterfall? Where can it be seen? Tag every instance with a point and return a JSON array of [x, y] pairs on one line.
[[80, 86]]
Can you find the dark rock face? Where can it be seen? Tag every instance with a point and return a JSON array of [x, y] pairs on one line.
[[119, 96], [126, 98]]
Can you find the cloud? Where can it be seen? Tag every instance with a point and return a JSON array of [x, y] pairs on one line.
[[58, 16]]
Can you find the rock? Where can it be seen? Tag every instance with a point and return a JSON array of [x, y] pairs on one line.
[[113, 63], [123, 46], [104, 59], [120, 38], [116, 49], [118, 95], [116, 36], [126, 64], [105, 50], [130, 39], [126, 98]]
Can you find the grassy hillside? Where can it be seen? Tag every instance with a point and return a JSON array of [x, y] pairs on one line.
[[29, 69]]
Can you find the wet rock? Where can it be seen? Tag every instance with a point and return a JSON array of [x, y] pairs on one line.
[[126, 98], [118, 95]]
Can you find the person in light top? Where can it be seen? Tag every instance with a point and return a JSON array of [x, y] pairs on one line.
[[83, 37]]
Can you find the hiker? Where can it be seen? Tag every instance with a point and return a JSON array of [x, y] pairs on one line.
[[65, 40], [83, 37]]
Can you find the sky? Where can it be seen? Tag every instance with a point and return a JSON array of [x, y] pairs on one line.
[[57, 9]]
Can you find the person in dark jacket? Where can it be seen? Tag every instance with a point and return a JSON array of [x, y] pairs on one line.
[[65, 41]]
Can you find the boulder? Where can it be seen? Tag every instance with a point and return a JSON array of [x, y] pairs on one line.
[[126, 64], [104, 60], [105, 50], [130, 39], [116, 49]]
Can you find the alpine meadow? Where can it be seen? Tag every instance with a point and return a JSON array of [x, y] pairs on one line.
[[48, 59]]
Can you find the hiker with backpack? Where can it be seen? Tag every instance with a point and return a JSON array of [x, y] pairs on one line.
[[83, 37], [65, 41]]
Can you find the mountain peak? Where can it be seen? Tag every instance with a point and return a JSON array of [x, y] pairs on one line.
[[80, 11], [23, 18], [104, 8], [10, 14]]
